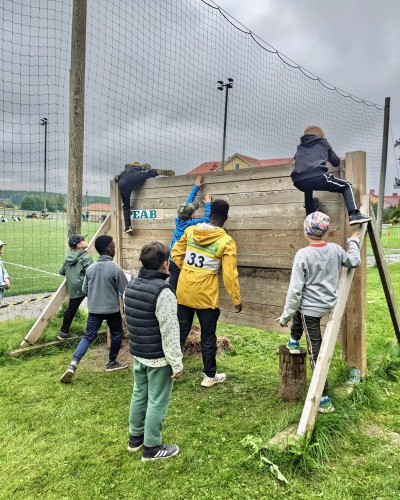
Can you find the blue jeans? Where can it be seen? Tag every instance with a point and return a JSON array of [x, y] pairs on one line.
[[94, 322]]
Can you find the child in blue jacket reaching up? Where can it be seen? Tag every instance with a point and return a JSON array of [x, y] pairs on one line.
[[186, 218]]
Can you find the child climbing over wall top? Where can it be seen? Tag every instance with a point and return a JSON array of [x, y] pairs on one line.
[[133, 177], [312, 291], [186, 218], [310, 174]]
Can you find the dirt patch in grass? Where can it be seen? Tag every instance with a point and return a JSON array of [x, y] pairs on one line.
[[96, 359]]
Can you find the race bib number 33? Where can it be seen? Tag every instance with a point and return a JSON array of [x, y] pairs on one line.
[[199, 260]]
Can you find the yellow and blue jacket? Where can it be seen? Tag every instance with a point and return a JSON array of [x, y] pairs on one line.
[[200, 253]]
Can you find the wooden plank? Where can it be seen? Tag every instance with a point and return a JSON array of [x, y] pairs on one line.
[[116, 221], [376, 244], [355, 349], [321, 369], [58, 298]]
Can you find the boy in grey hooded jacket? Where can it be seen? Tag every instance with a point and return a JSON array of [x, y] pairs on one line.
[[104, 283], [312, 291]]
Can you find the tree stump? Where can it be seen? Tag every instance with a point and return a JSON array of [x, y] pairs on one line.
[[292, 374]]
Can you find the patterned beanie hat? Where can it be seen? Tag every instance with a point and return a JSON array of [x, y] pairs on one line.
[[316, 225]]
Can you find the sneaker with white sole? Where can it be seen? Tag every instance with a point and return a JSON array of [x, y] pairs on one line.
[[64, 335], [168, 173], [113, 366], [210, 381], [68, 374], [128, 230], [293, 346], [135, 443], [325, 405], [359, 218], [162, 451]]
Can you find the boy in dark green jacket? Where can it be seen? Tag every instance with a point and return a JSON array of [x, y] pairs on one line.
[[74, 269]]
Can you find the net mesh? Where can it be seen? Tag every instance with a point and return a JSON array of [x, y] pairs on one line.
[[151, 96]]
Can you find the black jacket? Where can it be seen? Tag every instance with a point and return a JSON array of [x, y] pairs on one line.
[[141, 296], [312, 154]]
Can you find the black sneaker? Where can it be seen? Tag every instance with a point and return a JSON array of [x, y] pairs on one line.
[[64, 335], [156, 452], [128, 230], [113, 366], [316, 204], [359, 218], [67, 377], [135, 443]]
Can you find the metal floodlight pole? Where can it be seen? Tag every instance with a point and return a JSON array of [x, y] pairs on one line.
[[44, 122], [227, 86]]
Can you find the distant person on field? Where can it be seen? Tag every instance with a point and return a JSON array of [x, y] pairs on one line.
[[186, 218], [133, 177], [5, 282], [104, 283], [74, 269], [200, 253], [310, 174], [151, 318], [312, 291]]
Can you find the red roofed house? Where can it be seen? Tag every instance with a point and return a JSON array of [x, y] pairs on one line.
[[97, 207], [388, 201], [237, 162]]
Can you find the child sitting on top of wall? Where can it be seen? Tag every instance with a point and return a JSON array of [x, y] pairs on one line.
[[186, 214], [311, 173], [312, 291]]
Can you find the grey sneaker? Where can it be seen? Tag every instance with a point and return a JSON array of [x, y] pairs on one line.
[[210, 381], [359, 218], [135, 442], [168, 173], [70, 372], [293, 346], [113, 366], [156, 452], [64, 335], [325, 405]]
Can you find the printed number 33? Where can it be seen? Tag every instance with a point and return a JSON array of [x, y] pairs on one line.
[[195, 260]]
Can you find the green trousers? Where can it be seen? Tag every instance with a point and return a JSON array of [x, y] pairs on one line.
[[151, 394]]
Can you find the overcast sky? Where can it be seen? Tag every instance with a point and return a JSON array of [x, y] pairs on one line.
[[151, 91], [353, 44]]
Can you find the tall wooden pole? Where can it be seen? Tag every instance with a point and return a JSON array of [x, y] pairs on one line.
[[76, 117], [382, 179], [355, 341]]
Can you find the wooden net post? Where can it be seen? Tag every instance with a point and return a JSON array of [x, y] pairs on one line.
[[354, 339]]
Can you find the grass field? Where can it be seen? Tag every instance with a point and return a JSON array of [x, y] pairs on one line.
[[38, 246], [69, 442]]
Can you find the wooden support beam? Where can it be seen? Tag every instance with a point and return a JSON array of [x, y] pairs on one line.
[[58, 298], [321, 369], [116, 221], [355, 339], [373, 232]]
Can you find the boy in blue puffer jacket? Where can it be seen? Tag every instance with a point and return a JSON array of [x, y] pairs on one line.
[[186, 213]]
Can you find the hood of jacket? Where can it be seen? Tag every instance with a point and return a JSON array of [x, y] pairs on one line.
[[310, 140], [204, 234], [74, 256]]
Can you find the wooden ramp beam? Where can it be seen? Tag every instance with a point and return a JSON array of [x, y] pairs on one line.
[[58, 298], [379, 254], [320, 373]]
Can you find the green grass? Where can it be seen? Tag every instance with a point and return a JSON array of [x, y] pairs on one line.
[[40, 245], [70, 442]]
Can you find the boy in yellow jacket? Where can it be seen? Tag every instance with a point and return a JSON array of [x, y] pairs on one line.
[[200, 252]]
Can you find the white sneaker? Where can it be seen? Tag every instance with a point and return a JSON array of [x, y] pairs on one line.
[[210, 381]]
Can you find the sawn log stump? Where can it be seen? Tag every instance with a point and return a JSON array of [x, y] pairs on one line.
[[292, 374]]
